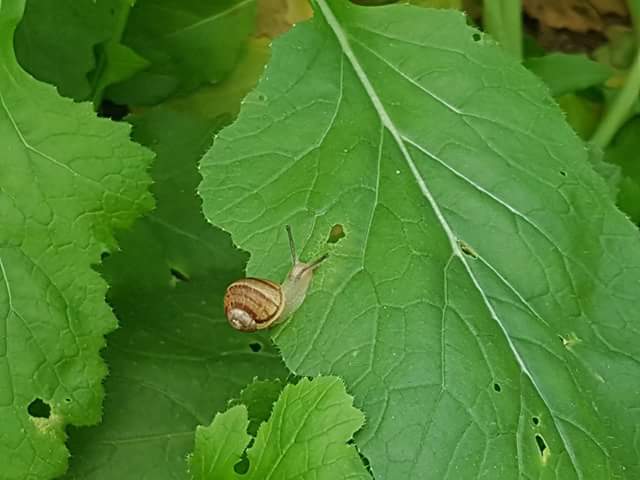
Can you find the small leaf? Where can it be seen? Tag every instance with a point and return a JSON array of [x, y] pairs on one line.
[[305, 437], [566, 73], [624, 153], [119, 62], [259, 397], [219, 446]]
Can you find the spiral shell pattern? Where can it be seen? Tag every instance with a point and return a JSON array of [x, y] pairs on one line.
[[253, 303]]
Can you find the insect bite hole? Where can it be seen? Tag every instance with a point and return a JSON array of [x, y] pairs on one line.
[[542, 446], [535, 420], [336, 234], [497, 387], [178, 275], [242, 465], [467, 249], [38, 408], [255, 346]]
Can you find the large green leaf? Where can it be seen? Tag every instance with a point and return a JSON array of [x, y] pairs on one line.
[[175, 361], [305, 437], [483, 304], [68, 179]]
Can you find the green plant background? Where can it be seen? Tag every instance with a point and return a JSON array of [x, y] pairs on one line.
[[480, 307]]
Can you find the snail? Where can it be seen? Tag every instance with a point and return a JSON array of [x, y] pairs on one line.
[[252, 304]]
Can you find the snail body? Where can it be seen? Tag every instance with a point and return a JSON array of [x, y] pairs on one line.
[[252, 304]]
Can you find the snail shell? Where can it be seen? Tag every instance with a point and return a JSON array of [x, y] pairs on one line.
[[252, 304]]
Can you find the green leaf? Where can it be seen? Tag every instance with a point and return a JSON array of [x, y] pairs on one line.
[[565, 73], [172, 359], [624, 152], [57, 39], [68, 180], [188, 42], [611, 174], [118, 63], [259, 397], [304, 438], [582, 113], [482, 304], [457, 4], [219, 446]]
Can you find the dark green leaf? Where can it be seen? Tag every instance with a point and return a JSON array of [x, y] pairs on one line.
[[188, 42], [175, 360], [624, 152]]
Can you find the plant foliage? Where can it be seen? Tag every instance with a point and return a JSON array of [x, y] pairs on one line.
[[479, 305]]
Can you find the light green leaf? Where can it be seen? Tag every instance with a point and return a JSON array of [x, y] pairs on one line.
[[565, 73], [611, 174], [482, 305], [219, 446], [68, 180], [188, 42], [172, 357], [304, 438]]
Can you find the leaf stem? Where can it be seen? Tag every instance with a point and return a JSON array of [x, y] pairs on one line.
[[634, 10], [502, 19], [618, 112]]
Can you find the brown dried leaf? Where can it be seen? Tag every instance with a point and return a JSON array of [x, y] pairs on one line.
[[277, 16], [575, 15]]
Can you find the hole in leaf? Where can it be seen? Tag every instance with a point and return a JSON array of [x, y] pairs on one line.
[[563, 173], [68, 400], [242, 466], [476, 37], [39, 409], [104, 255], [336, 234], [535, 420], [467, 249], [569, 340], [366, 462], [497, 387], [178, 275], [542, 446], [255, 346]]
